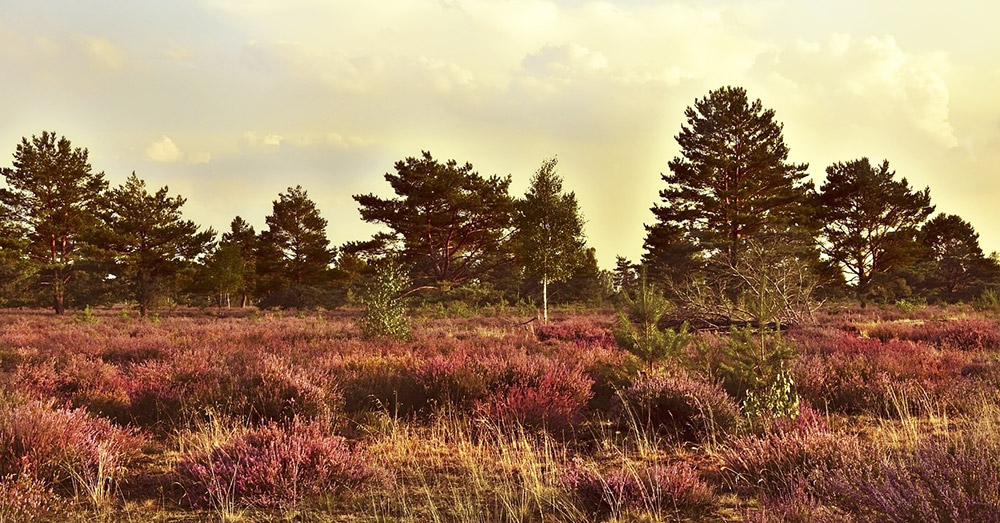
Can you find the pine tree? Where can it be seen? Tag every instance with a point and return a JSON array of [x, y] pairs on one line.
[[625, 275], [549, 234], [294, 252], [960, 266], [864, 211], [732, 181], [147, 239], [448, 222], [15, 268], [243, 236], [52, 194]]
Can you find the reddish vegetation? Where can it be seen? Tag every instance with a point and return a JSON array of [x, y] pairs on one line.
[[105, 405], [272, 466]]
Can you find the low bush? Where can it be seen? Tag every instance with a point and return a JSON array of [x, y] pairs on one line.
[[653, 488], [933, 484], [272, 466], [787, 452], [968, 334], [61, 448], [551, 396], [679, 405], [579, 332]]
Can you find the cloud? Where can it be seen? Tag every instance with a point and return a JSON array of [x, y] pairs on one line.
[[255, 141], [102, 52], [867, 82], [163, 150], [274, 141]]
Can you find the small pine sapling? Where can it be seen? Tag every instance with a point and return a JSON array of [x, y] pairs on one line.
[[638, 331]]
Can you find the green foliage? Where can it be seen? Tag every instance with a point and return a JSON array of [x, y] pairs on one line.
[[732, 181], [549, 230], [52, 194], [294, 250], [448, 222], [865, 211], [146, 239], [384, 315], [988, 301], [754, 367], [86, 315], [958, 268], [637, 329], [242, 235], [625, 275]]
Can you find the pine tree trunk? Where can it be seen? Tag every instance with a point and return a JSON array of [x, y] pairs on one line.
[[58, 300], [58, 292]]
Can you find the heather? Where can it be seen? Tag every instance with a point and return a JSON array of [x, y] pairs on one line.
[[263, 415]]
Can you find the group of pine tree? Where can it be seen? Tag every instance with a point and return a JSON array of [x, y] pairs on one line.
[[735, 215]]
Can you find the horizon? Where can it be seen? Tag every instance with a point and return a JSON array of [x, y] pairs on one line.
[[229, 103]]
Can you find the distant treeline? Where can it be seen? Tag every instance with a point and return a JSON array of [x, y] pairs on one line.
[[735, 217]]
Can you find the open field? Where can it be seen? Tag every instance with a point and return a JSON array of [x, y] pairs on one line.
[[259, 416]]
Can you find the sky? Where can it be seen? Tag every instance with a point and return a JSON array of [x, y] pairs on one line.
[[229, 102]]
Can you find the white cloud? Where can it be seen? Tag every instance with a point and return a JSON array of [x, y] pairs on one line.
[[867, 82], [163, 150], [102, 52], [275, 141], [256, 141]]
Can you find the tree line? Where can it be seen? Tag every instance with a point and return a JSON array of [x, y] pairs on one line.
[[736, 213], [735, 219], [69, 239]]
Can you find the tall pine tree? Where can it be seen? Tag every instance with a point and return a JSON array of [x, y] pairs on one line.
[[52, 194], [294, 252], [242, 235], [731, 182], [148, 240], [865, 211], [448, 222]]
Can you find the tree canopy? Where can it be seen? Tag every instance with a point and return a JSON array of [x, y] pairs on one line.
[[731, 181], [549, 230], [293, 254], [52, 194], [864, 209], [447, 221], [146, 238]]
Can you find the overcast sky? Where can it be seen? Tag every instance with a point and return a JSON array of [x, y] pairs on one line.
[[229, 102]]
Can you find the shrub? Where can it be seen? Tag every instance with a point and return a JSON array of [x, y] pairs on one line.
[[272, 466], [384, 315], [799, 505], [24, 498], [260, 387], [637, 329], [59, 447], [389, 383], [933, 484], [787, 452], [657, 487], [680, 405], [754, 368], [553, 399], [987, 301], [578, 332], [969, 334]]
